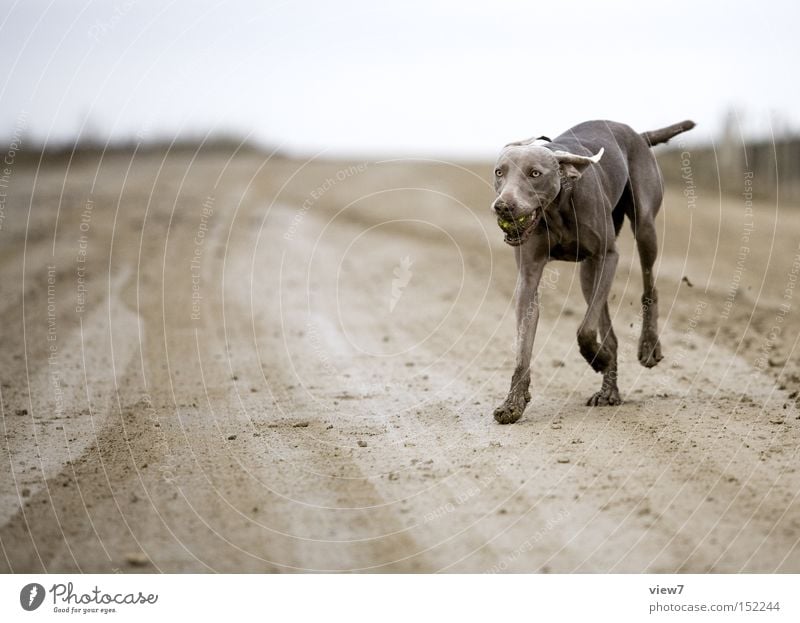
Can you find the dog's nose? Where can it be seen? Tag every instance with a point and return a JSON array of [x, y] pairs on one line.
[[503, 208]]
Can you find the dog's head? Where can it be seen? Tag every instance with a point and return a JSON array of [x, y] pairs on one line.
[[527, 179]]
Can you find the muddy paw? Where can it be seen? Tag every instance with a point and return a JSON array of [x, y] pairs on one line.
[[650, 352], [605, 398], [512, 409]]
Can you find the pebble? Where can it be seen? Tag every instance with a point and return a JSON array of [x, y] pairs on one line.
[[137, 559]]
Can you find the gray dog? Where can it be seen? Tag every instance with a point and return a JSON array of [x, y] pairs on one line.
[[566, 199]]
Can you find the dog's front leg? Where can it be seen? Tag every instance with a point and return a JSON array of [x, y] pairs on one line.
[[527, 308]]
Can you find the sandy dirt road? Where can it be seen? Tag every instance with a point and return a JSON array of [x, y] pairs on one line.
[[270, 365]]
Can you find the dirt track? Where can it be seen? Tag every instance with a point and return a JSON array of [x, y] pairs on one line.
[[323, 403]]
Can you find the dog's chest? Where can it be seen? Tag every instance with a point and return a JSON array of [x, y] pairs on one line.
[[568, 241], [570, 251]]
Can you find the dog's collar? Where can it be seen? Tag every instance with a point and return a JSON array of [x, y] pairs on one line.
[[553, 220], [567, 185], [564, 193]]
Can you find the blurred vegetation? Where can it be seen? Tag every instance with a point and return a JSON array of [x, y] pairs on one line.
[[221, 144], [770, 170]]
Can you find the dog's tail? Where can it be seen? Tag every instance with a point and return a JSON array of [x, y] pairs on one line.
[[656, 137]]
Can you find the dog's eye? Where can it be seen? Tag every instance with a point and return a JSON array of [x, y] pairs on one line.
[[498, 173], [535, 173]]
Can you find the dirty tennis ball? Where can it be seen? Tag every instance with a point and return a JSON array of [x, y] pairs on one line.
[[511, 225], [506, 225]]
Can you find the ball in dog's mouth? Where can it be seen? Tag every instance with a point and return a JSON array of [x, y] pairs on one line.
[[518, 230]]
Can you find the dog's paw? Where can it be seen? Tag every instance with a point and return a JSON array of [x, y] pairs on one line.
[[507, 413], [649, 352], [605, 398], [512, 409]]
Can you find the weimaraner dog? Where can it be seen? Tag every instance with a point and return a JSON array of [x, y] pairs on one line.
[[566, 199]]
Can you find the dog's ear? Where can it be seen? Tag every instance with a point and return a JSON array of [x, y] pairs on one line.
[[572, 165], [539, 140]]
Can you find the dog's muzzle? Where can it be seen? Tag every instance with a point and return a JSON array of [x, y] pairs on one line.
[[518, 230]]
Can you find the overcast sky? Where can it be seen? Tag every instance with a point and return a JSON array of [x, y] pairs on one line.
[[416, 77]]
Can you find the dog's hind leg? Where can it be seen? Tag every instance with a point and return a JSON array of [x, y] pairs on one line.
[[649, 344], [646, 194], [607, 351]]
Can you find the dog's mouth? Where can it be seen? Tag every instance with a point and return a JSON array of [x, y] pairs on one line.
[[518, 230]]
